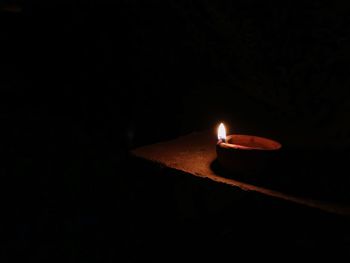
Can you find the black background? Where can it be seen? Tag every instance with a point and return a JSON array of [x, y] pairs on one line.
[[82, 82]]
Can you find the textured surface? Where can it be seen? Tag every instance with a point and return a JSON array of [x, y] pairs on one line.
[[195, 154]]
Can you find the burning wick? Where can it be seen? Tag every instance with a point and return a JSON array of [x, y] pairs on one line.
[[222, 133]]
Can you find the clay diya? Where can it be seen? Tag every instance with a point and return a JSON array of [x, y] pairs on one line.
[[245, 153]]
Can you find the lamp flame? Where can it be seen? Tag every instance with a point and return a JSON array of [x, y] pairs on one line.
[[222, 132]]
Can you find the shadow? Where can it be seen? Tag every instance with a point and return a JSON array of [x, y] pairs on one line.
[[300, 172], [249, 178]]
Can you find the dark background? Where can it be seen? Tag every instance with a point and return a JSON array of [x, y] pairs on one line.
[[83, 82]]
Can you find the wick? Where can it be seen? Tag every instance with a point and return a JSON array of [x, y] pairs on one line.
[[222, 140]]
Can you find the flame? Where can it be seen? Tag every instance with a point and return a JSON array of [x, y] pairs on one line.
[[221, 132]]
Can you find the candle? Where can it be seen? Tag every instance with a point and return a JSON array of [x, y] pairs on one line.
[[244, 153]]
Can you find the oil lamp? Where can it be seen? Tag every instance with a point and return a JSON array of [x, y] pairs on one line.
[[245, 153]]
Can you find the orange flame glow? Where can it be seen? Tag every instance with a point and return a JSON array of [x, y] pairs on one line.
[[221, 132]]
